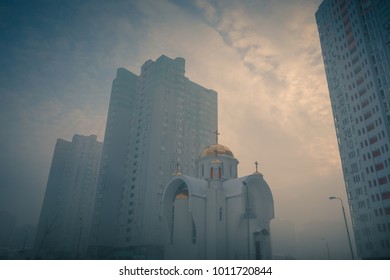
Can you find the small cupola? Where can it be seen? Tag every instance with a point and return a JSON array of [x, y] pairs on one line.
[[217, 162]]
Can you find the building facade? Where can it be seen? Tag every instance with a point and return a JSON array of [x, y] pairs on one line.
[[216, 215], [355, 41], [66, 214], [156, 120]]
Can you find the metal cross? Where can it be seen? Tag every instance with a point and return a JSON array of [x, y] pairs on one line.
[[257, 164], [216, 136], [177, 165]]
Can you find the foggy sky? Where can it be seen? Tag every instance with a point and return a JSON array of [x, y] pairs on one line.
[[58, 60]]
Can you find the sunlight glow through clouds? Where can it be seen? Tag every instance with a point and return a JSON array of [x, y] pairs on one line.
[[296, 96]]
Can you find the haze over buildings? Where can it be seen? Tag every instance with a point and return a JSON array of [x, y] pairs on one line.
[[66, 213], [355, 40], [58, 62]]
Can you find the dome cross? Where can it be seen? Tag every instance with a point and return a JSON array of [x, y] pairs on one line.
[[177, 168], [216, 136]]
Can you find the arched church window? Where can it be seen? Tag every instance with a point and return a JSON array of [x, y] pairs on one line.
[[182, 192]]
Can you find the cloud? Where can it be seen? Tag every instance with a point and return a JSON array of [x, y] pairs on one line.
[[286, 76]]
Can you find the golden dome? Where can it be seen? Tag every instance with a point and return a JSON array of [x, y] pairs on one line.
[[221, 150]]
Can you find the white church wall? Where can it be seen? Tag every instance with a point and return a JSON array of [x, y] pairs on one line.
[[229, 167], [192, 210], [184, 247], [235, 235], [260, 198], [261, 212], [197, 206]]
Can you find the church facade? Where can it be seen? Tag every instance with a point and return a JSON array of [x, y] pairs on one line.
[[217, 215]]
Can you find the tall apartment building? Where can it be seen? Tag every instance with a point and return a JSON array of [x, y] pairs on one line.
[[156, 121], [66, 214], [355, 41]]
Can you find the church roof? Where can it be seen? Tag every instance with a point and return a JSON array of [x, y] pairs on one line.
[[196, 186], [221, 150], [235, 186]]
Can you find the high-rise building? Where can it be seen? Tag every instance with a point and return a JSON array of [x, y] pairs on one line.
[[355, 41], [156, 120], [66, 213]]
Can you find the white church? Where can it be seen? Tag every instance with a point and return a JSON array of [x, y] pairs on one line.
[[217, 215]]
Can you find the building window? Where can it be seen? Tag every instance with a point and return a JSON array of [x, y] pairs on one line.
[[379, 166], [182, 192], [382, 181], [376, 153]]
